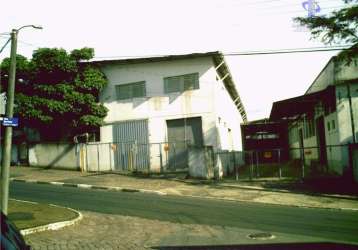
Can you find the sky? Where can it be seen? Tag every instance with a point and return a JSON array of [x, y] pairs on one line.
[[160, 27]]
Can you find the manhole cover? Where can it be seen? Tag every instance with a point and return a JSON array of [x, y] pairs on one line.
[[261, 236]]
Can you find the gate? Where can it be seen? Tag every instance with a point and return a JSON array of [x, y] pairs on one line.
[[182, 132], [130, 147]]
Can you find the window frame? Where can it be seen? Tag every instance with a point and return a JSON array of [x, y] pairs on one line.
[[131, 91], [182, 83]]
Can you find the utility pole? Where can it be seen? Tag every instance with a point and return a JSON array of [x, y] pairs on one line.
[[6, 153], [6, 156]]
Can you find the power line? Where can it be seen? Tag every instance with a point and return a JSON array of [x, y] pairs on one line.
[[255, 52], [290, 51], [29, 44], [3, 47]]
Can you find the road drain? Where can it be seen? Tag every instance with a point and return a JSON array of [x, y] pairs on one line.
[[261, 236]]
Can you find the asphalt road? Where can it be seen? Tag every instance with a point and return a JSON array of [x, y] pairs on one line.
[[333, 225]]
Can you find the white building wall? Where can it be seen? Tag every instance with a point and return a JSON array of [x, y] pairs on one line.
[[344, 123], [324, 79], [293, 141], [309, 144], [346, 72], [335, 74], [227, 117], [334, 151], [158, 107], [311, 150], [343, 115], [354, 96]]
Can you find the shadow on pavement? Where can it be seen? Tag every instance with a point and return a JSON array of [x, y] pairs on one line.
[[279, 246], [322, 185]]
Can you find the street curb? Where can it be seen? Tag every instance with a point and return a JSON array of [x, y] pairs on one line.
[[256, 188], [87, 186], [267, 203], [51, 226]]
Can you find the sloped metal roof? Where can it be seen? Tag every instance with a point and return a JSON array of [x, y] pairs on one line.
[[296, 106]]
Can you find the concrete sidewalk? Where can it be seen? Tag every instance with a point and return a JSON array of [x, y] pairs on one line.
[[226, 190]]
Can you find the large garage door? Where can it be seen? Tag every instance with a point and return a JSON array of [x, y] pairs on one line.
[[132, 148], [180, 133]]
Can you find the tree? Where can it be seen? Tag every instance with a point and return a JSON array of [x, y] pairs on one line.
[[57, 94], [338, 27]]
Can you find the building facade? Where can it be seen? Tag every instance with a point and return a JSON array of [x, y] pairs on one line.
[[323, 123], [265, 141], [171, 101]]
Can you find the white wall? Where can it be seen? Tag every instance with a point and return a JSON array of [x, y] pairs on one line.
[[54, 156], [334, 73], [346, 72], [343, 115], [310, 153], [227, 117], [325, 78], [158, 107], [344, 119], [334, 152]]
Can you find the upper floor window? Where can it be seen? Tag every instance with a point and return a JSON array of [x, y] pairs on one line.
[[181, 83], [130, 90]]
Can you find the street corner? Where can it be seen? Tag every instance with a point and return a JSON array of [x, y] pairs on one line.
[[56, 225]]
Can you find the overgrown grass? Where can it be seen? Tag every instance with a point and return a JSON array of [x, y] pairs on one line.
[[27, 214]]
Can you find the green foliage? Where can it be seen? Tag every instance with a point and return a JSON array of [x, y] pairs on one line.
[[339, 27], [58, 94], [53, 65], [82, 54], [23, 69]]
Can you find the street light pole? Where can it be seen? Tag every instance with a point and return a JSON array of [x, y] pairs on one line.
[[6, 156]]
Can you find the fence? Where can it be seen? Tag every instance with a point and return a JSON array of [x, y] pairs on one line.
[[198, 161], [296, 162], [228, 163], [133, 156]]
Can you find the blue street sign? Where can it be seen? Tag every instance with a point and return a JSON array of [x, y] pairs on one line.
[[10, 122]]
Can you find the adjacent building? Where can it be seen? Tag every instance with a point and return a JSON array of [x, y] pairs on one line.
[[265, 141], [323, 123]]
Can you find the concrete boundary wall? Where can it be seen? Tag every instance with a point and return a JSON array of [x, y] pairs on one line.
[[54, 155], [201, 162]]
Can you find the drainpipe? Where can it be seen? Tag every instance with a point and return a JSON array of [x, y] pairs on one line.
[[351, 112]]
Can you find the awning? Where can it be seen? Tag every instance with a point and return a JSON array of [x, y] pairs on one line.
[[305, 104]]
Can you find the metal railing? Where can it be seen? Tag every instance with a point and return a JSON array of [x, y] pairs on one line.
[[134, 156], [204, 162], [295, 162]]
